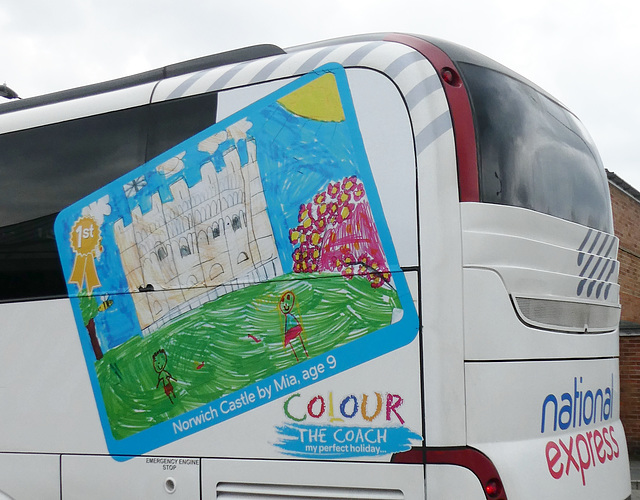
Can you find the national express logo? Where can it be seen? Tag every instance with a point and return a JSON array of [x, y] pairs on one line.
[[579, 407], [331, 425]]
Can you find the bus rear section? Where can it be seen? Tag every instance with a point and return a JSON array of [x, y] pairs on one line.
[[541, 370], [342, 270], [541, 306]]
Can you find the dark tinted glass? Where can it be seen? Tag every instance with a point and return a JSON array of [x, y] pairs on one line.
[[29, 264], [533, 153], [172, 122], [45, 169]]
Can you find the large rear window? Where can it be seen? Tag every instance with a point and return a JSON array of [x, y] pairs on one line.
[[533, 153]]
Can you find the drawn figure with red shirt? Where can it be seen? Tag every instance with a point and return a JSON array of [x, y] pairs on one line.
[[292, 326], [159, 365]]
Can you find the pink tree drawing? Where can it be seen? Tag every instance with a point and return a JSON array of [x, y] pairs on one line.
[[336, 232]]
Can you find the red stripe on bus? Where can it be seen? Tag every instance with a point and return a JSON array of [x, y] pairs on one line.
[[469, 458], [463, 128]]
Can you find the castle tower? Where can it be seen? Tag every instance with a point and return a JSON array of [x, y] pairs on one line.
[[209, 239]]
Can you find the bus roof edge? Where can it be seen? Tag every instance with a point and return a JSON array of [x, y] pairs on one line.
[[181, 68]]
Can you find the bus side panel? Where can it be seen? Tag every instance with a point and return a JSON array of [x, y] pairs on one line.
[[102, 478], [395, 399], [441, 282], [312, 480], [450, 481], [47, 403], [552, 428], [30, 476]]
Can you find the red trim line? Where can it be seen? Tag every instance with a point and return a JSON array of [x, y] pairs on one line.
[[467, 457], [463, 129]]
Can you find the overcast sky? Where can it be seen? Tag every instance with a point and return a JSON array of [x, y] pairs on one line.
[[583, 52]]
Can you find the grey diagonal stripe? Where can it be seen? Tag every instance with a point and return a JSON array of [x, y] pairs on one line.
[[423, 89], [583, 271], [184, 86], [613, 242], [359, 54], [584, 241], [396, 67], [595, 268], [352, 59], [226, 77], [432, 131], [269, 68], [595, 242], [604, 268], [604, 243], [311, 63]]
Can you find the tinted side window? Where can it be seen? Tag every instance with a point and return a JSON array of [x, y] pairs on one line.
[[45, 169], [29, 263], [533, 153], [172, 122]]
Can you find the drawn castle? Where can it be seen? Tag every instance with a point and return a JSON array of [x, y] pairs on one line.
[[210, 239]]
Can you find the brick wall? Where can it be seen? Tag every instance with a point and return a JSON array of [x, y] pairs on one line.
[[630, 391], [626, 217]]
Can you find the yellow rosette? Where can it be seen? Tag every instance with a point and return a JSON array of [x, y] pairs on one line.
[[85, 242]]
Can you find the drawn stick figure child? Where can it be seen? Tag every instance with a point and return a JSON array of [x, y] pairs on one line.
[[292, 327], [159, 365]]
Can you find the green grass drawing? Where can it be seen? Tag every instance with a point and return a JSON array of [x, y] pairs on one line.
[[211, 353]]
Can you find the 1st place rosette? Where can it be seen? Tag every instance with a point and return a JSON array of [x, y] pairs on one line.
[[86, 244]]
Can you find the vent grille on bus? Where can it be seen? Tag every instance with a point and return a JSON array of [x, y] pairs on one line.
[[246, 491], [567, 316]]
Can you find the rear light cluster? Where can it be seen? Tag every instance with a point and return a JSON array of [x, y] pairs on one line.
[[466, 457], [493, 488]]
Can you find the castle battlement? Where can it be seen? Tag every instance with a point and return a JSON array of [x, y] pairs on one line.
[[209, 239]]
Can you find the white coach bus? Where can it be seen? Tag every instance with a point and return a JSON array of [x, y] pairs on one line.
[[377, 267]]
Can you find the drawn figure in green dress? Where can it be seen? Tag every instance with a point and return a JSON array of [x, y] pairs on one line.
[[292, 326]]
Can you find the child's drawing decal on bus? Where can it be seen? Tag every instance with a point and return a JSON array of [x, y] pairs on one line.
[[337, 233], [247, 252], [292, 327], [89, 308], [164, 377]]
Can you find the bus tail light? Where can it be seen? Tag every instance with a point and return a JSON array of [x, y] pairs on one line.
[[467, 457], [450, 76], [493, 488]]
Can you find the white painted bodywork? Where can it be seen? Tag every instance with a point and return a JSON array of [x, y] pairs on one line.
[[455, 393]]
